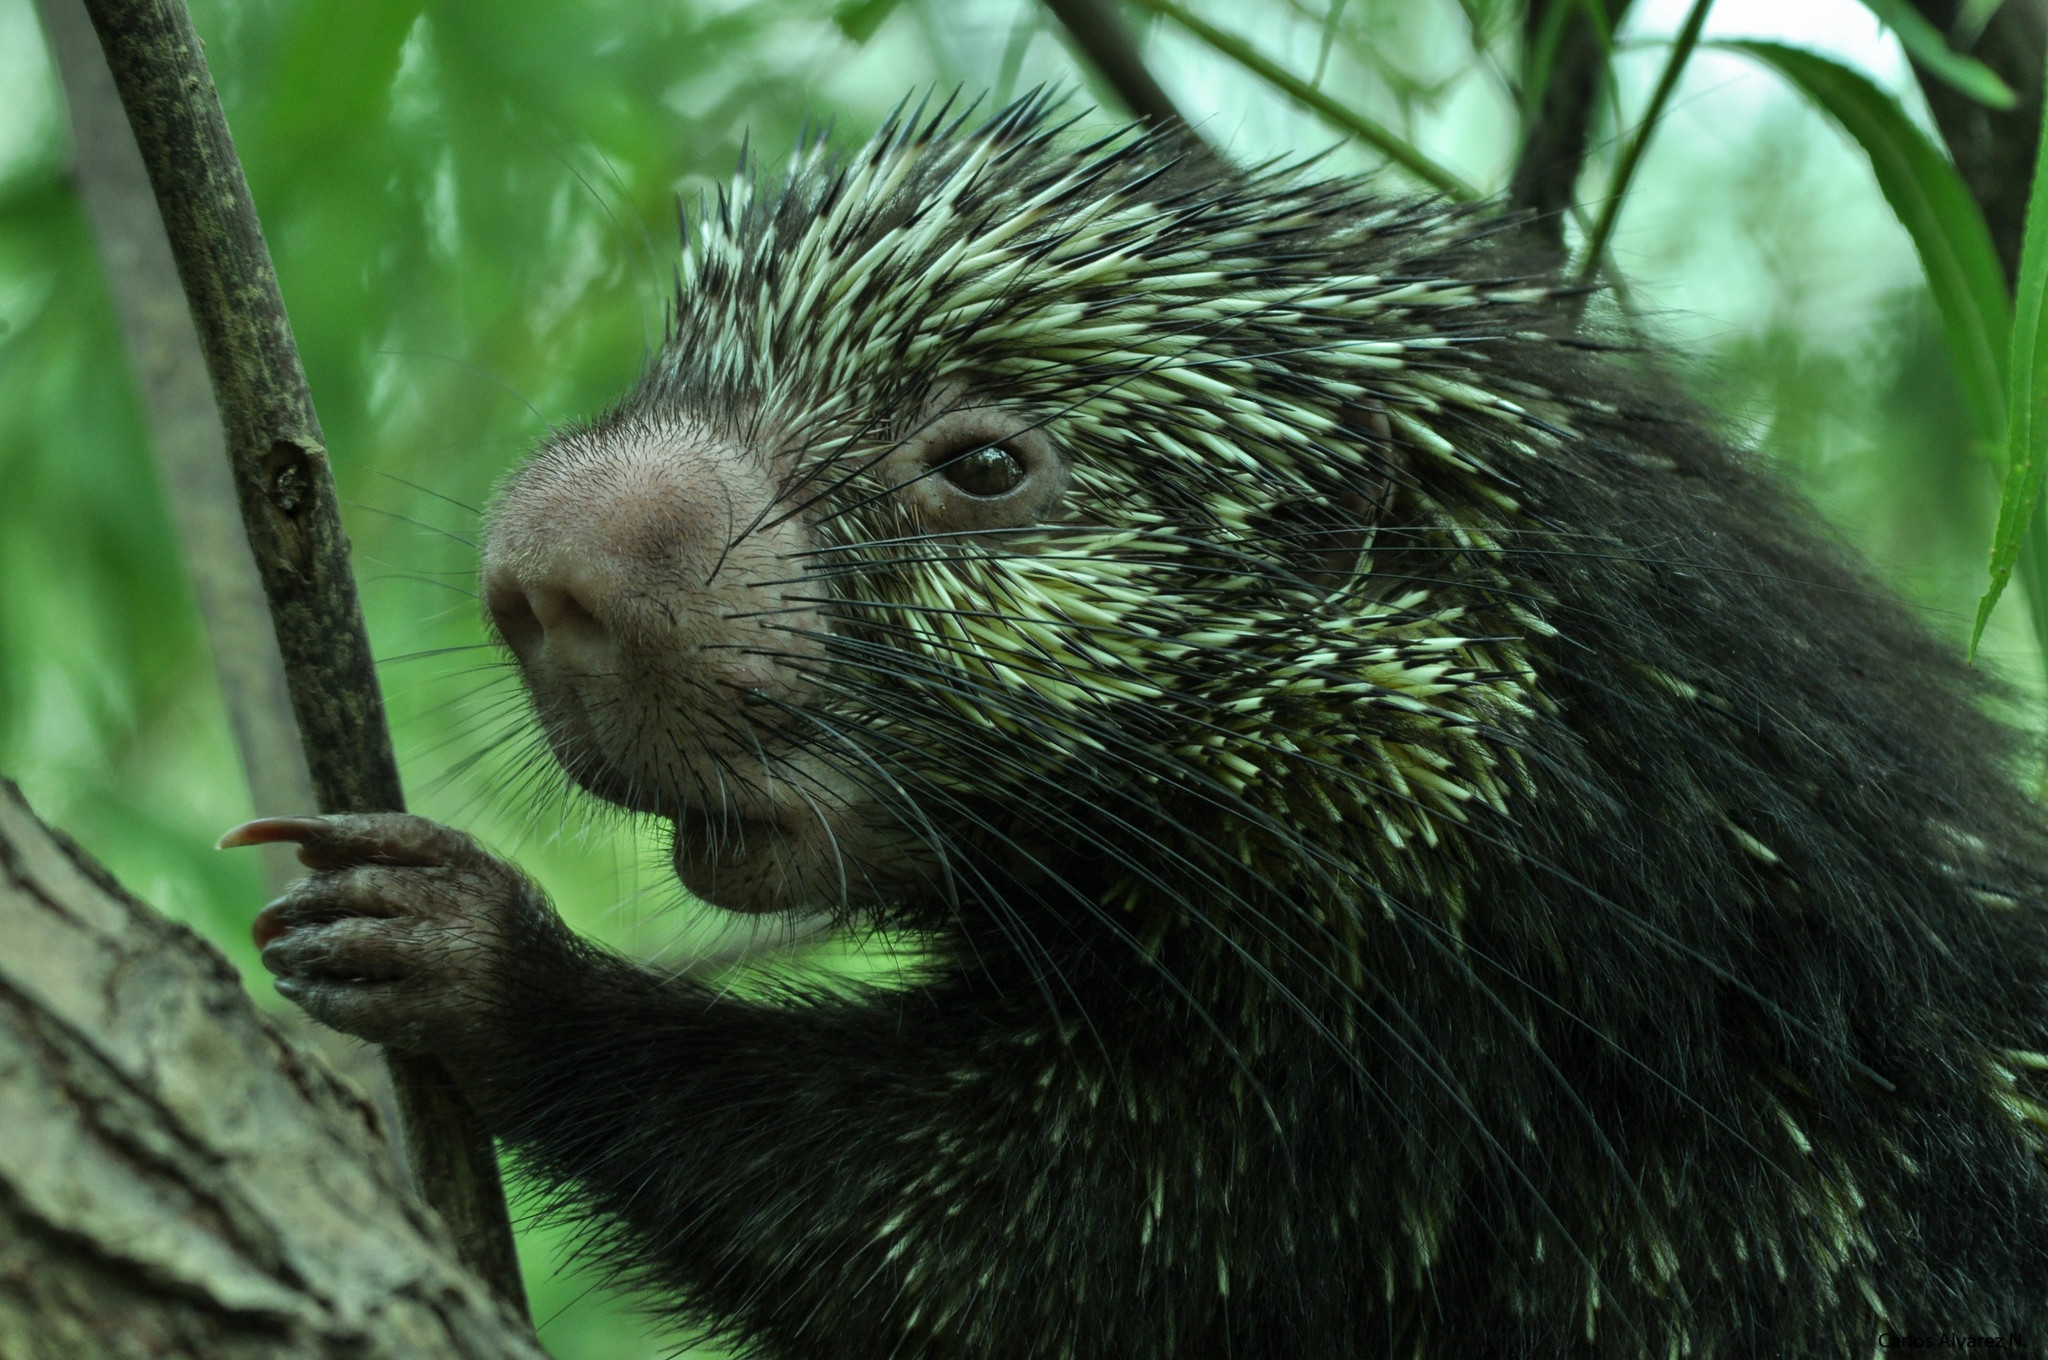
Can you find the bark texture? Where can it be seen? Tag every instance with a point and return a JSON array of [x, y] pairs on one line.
[[177, 1178]]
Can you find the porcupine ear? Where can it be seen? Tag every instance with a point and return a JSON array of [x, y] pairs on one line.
[[1326, 543]]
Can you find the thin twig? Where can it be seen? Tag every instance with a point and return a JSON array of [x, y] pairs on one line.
[[183, 424], [1021, 33], [1328, 41], [1347, 120], [1632, 154], [294, 527]]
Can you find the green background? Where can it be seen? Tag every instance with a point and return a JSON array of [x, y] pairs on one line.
[[471, 207]]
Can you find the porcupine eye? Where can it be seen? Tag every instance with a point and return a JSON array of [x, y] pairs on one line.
[[976, 469], [984, 472]]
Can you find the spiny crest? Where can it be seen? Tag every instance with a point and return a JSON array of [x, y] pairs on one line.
[[1223, 362]]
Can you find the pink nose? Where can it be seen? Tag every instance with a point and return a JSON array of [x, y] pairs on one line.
[[635, 570]]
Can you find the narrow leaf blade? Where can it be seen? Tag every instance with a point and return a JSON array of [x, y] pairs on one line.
[[1996, 354], [1926, 45], [2027, 408], [1932, 203]]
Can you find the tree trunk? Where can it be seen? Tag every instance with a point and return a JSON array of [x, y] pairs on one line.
[[178, 1178]]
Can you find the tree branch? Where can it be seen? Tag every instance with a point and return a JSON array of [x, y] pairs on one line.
[[1564, 69], [293, 523], [1346, 120], [1113, 52]]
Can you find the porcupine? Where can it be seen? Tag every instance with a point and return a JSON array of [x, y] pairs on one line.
[[1421, 847]]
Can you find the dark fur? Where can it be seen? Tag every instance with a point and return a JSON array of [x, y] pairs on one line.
[[1618, 1050]]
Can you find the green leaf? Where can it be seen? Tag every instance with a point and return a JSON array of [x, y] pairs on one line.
[[1971, 21], [1925, 44], [1931, 202], [858, 19], [2027, 409], [1963, 273]]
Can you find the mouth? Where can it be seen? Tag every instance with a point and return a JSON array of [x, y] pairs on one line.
[[718, 794], [761, 831], [826, 856], [701, 843], [758, 866]]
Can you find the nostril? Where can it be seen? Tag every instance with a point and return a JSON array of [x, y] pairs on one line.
[[545, 619], [512, 615], [560, 613]]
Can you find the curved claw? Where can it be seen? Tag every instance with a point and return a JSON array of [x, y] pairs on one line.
[[345, 838], [270, 831], [269, 922]]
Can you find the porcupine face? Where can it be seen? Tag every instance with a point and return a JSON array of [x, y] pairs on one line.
[[987, 497]]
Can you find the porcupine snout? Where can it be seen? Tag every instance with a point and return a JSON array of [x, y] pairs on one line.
[[651, 596]]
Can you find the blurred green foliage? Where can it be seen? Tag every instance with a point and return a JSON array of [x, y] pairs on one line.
[[471, 207]]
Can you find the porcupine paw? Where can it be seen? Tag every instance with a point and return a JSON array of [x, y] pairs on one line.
[[401, 933]]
